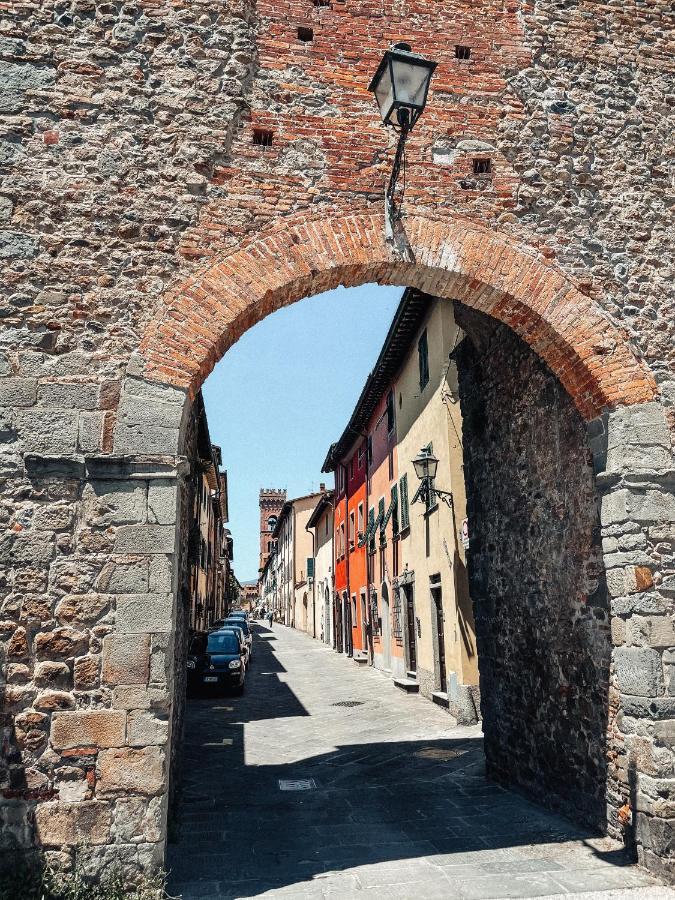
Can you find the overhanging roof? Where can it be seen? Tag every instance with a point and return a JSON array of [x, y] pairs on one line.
[[325, 501], [409, 316]]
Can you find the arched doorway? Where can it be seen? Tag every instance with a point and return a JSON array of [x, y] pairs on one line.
[[386, 627], [548, 313], [612, 392]]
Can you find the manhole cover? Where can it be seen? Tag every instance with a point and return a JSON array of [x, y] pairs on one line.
[[349, 703], [438, 753], [300, 784]]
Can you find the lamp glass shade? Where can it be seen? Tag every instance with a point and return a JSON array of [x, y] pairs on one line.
[[426, 465], [401, 85]]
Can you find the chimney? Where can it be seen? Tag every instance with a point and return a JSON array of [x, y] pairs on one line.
[[322, 488]]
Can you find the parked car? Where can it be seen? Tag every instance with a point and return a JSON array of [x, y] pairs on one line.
[[217, 659], [238, 628], [233, 622]]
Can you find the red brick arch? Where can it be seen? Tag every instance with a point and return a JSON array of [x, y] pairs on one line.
[[207, 313]]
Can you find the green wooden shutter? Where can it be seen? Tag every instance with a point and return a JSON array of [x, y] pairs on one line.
[[405, 515], [371, 530], [310, 567], [380, 518], [394, 509]]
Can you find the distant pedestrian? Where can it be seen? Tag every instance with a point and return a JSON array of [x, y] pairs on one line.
[[269, 618]]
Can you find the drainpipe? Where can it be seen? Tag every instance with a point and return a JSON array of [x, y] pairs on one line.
[[293, 568], [349, 587], [310, 531]]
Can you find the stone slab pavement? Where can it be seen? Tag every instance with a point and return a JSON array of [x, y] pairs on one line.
[[324, 780]]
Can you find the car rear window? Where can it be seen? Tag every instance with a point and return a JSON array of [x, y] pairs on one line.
[[223, 642], [237, 623]]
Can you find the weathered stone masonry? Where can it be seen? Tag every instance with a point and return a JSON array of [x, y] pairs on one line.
[[143, 229]]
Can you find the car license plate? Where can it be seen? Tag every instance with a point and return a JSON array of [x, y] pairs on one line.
[[210, 678]]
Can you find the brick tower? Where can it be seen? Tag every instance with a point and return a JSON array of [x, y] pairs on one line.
[[271, 500]]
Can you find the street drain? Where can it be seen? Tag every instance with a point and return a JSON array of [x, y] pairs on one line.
[[349, 703], [438, 753], [300, 784]]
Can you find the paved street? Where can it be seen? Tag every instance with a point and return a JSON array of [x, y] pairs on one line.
[[394, 803]]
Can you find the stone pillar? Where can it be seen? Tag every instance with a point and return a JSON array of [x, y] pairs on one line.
[[89, 585], [636, 480]]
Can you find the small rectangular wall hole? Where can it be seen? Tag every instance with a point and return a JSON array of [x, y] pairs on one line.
[[482, 166], [305, 34], [262, 137], [462, 52], [321, 3]]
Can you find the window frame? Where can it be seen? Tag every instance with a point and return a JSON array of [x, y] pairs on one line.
[[423, 359]]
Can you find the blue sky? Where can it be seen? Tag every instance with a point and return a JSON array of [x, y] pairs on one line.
[[284, 392]]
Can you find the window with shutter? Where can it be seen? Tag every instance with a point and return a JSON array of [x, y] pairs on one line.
[[310, 567], [394, 509], [405, 515], [423, 353], [371, 530], [380, 516]]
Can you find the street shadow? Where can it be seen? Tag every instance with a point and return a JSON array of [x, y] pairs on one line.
[[364, 804], [248, 828]]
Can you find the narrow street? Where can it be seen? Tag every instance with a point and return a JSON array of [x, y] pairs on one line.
[[323, 780]]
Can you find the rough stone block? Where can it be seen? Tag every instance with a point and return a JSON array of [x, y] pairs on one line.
[[613, 508], [126, 659], [652, 506], [139, 819], [88, 728], [52, 674], [68, 395], [664, 732], [86, 672], [161, 574], [18, 391], [52, 700], [114, 503], [643, 424], [125, 577], [82, 610], [143, 613], [33, 548], [53, 517], [634, 458], [645, 604], [90, 432], [51, 432], [638, 671], [69, 824], [145, 539], [146, 439], [652, 631], [162, 501], [141, 697], [61, 643], [146, 728], [138, 410], [131, 771]]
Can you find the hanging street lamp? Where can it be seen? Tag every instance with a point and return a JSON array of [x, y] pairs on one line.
[[426, 466], [401, 86]]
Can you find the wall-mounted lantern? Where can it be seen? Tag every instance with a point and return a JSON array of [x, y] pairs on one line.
[[426, 466], [401, 86]]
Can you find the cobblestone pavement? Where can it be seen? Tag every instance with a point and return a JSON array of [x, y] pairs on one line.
[[394, 801]]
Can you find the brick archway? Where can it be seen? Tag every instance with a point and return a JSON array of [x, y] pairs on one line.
[[208, 312]]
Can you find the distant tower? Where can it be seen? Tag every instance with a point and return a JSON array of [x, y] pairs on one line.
[[271, 501]]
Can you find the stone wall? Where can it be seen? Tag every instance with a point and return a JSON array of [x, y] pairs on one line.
[[131, 165], [536, 573], [89, 659], [571, 566]]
